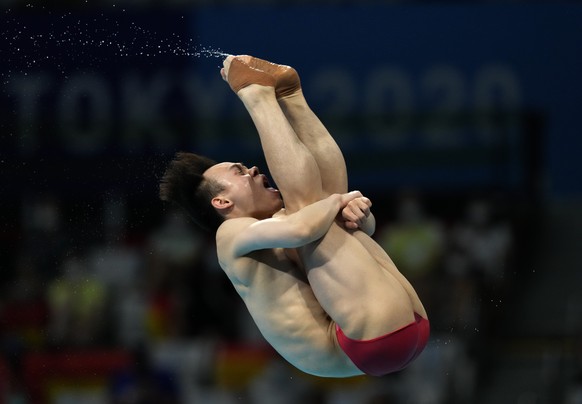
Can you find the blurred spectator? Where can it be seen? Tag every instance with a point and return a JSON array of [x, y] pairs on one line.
[[276, 376], [117, 264], [77, 302], [480, 246], [144, 382], [42, 232], [192, 361], [12, 385], [477, 260], [415, 244], [23, 314], [114, 261], [130, 315], [175, 251], [188, 293], [573, 392], [445, 373], [23, 318], [175, 242]]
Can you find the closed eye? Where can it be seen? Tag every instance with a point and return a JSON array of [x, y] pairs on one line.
[[238, 167]]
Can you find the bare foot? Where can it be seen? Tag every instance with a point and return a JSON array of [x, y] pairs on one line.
[[239, 74]]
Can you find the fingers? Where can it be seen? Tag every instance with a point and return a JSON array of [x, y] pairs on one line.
[[356, 210], [350, 196], [363, 203], [351, 225], [366, 205]]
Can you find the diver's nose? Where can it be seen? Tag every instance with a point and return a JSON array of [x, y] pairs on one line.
[[254, 171]]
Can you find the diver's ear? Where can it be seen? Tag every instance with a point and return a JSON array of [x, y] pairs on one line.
[[221, 203]]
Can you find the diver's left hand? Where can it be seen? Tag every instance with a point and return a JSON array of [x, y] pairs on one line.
[[356, 212]]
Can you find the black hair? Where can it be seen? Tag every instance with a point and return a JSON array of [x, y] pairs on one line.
[[183, 183]]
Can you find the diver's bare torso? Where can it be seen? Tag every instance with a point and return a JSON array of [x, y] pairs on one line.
[[282, 304], [375, 298], [357, 283]]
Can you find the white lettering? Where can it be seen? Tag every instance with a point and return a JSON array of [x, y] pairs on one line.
[[142, 101], [444, 89], [334, 90], [28, 91], [497, 90], [390, 102]]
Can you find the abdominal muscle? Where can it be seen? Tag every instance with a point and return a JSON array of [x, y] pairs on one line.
[[280, 300], [357, 284]]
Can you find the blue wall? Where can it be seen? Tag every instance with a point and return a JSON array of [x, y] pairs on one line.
[[431, 58], [457, 96]]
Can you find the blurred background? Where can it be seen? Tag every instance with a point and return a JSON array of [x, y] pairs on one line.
[[459, 120]]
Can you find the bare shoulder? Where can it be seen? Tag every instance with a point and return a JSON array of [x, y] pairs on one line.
[[227, 233], [225, 244]]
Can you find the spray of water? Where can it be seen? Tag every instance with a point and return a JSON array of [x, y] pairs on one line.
[[59, 41]]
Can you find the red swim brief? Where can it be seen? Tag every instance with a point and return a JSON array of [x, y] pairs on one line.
[[388, 353]]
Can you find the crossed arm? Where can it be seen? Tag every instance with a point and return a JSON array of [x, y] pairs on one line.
[[244, 235]]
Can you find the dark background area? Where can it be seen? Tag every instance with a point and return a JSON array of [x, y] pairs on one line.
[[458, 120]]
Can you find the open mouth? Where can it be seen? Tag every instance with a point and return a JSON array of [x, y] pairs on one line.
[[267, 184]]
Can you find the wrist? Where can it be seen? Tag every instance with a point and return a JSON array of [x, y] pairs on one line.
[[339, 202]]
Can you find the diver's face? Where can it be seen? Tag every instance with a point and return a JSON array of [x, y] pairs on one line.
[[247, 188]]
